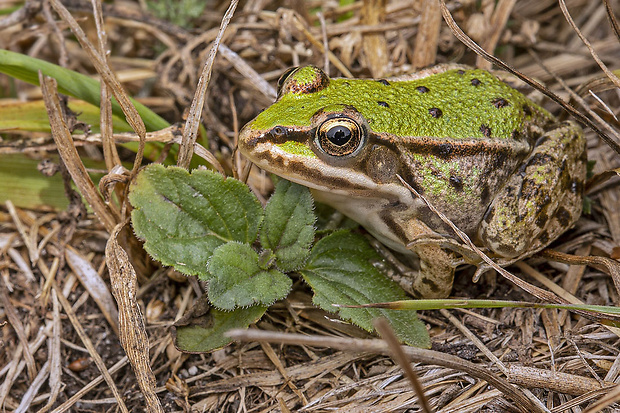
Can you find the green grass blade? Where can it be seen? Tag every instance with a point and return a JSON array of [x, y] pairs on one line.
[[32, 116], [70, 83]]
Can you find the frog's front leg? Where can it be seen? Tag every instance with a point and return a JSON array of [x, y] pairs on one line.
[[436, 272], [542, 198], [435, 276]]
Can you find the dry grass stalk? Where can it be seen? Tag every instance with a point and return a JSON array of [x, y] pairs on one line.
[[427, 39], [585, 41], [91, 350], [131, 115], [190, 132], [132, 330], [70, 156], [497, 25], [383, 328], [374, 45], [13, 318], [378, 346]]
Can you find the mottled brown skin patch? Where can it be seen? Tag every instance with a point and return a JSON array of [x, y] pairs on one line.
[[540, 159], [485, 195], [382, 165], [563, 216], [541, 221], [541, 141], [432, 285], [542, 199]]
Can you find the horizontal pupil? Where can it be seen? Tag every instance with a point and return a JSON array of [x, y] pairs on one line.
[[338, 135]]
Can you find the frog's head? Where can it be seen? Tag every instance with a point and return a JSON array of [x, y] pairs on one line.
[[313, 134]]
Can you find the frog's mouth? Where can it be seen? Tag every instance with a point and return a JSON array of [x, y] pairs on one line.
[[295, 161]]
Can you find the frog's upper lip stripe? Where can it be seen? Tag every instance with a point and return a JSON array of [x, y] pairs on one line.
[[308, 172]]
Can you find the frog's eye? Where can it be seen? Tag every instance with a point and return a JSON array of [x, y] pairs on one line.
[[339, 136]]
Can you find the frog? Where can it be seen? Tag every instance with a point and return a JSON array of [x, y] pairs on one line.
[[501, 168]]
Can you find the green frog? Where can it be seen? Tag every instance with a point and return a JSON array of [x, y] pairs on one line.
[[501, 168]]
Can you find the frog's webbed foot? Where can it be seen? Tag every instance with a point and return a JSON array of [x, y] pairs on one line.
[[463, 254], [427, 274]]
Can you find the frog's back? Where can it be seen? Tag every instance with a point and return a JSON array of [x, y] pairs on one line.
[[441, 102]]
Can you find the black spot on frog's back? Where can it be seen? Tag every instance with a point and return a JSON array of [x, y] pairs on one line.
[[435, 112], [500, 103]]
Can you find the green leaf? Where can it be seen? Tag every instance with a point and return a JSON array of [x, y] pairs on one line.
[[341, 271], [205, 332], [288, 228], [238, 280], [183, 217], [70, 83]]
